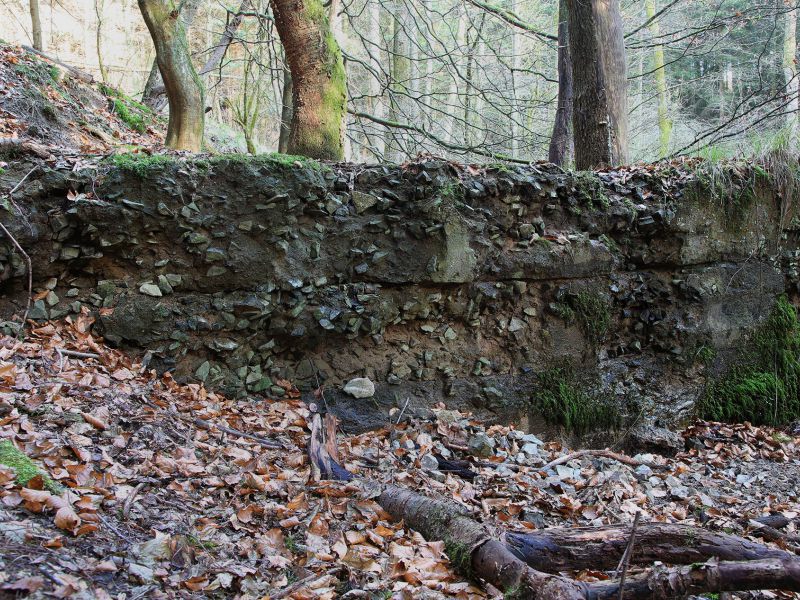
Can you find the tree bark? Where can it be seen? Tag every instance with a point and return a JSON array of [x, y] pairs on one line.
[[36, 26], [184, 88], [286, 111], [154, 90], [659, 73], [319, 95], [600, 115], [561, 143]]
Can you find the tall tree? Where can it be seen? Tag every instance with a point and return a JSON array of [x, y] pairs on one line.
[[600, 115], [319, 92], [561, 143], [790, 71], [99, 5], [153, 93], [36, 26], [184, 88], [660, 75]]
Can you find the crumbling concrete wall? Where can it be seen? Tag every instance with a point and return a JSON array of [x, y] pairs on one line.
[[440, 284]]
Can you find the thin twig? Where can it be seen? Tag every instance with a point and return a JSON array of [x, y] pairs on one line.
[[626, 556], [209, 426], [627, 460], [27, 258], [400, 416], [29, 266], [126, 507], [76, 354]]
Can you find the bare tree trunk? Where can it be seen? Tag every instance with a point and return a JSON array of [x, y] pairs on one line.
[[790, 71], [659, 73], [398, 82], [154, 89], [286, 111], [98, 11], [36, 25], [561, 142], [183, 85], [319, 94], [600, 116]]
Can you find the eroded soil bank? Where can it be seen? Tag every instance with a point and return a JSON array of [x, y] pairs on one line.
[[585, 300]]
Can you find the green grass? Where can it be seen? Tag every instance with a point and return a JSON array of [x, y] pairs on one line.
[[270, 159], [24, 467], [590, 309], [763, 383], [134, 114], [561, 400], [140, 163]]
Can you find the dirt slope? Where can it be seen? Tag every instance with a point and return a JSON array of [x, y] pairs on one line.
[[47, 103]]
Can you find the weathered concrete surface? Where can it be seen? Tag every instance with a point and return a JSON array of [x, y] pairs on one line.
[[437, 285]]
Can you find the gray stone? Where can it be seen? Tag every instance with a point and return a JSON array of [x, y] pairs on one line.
[[150, 289], [481, 445], [363, 201], [429, 462], [38, 311], [360, 387]]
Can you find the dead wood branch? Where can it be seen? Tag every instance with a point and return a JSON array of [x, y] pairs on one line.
[[24, 145], [475, 551], [77, 73], [622, 458], [575, 548]]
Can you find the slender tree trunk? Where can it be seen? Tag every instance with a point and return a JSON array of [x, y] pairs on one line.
[[561, 142], [659, 73], [790, 71], [286, 111], [515, 63], [154, 89], [98, 11], [183, 85], [398, 84], [36, 26], [600, 115], [319, 94]]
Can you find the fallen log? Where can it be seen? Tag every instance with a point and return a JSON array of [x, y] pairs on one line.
[[600, 548], [477, 553]]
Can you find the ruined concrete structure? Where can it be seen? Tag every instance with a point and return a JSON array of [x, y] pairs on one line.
[[440, 284]]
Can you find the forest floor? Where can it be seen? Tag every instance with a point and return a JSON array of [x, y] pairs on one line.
[[149, 491]]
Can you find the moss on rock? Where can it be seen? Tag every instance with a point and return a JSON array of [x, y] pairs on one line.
[[561, 400], [763, 383]]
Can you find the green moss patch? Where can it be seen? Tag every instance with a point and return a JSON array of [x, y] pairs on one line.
[[590, 190], [139, 163], [763, 383], [590, 309], [562, 400], [135, 115], [24, 467]]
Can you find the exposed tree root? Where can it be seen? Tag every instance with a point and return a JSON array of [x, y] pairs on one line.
[[523, 566]]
